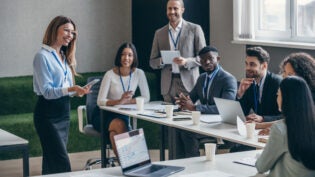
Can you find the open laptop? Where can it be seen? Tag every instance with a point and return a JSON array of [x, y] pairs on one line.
[[229, 110], [134, 156]]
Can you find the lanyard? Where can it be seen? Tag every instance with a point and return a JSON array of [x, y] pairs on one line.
[[175, 42], [65, 71], [121, 81], [208, 81]]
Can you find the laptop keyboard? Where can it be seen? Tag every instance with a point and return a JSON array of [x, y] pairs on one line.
[[150, 169]]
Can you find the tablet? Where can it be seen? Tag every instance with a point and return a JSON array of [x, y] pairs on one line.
[[169, 55], [88, 84]]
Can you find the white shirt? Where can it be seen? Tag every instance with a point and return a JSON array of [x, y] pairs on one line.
[[174, 36], [112, 89]]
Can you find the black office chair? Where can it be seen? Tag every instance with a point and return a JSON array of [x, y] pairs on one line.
[[85, 126]]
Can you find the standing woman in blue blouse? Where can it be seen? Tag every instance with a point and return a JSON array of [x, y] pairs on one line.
[[54, 71]]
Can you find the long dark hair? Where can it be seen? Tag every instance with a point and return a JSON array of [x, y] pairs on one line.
[[299, 114], [120, 51]]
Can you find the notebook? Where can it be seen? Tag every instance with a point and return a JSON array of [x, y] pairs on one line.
[[229, 110], [134, 156]]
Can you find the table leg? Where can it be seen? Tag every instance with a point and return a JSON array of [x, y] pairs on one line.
[[26, 162], [103, 140], [162, 145], [171, 143]]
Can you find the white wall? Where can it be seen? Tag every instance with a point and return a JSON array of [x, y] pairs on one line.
[[221, 35], [102, 26]]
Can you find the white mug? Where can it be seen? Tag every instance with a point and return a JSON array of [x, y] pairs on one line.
[[140, 103], [195, 115], [210, 151], [169, 111]]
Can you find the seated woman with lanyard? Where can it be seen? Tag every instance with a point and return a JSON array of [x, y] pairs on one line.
[[290, 150], [118, 87]]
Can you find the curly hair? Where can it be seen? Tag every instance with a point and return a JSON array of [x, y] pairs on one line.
[[303, 65]]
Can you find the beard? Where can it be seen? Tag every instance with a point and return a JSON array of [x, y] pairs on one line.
[[252, 74]]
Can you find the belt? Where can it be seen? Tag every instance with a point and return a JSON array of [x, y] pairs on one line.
[[175, 75]]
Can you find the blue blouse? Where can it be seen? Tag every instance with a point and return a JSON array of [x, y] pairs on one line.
[[52, 78]]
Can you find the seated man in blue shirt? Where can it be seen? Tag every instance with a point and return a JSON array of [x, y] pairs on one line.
[[214, 82]]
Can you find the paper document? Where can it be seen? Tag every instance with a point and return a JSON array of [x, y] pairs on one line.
[[250, 161], [215, 173], [169, 55], [210, 119]]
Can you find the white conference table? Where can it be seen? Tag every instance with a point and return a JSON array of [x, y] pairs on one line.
[[11, 142], [196, 166], [217, 130]]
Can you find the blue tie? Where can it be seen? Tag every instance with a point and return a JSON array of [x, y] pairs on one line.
[[205, 89]]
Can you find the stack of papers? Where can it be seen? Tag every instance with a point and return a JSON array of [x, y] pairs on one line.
[[250, 161], [215, 173]]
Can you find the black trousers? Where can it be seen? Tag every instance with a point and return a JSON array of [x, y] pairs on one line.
[[52, 121]]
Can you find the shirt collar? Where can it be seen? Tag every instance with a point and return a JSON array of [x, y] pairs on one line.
[[262, 81], [178, 27], [48, 48]]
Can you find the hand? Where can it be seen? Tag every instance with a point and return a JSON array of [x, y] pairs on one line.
[[180, 61], [244, 85], [126, 97], [255, 118], [81, 90], [185, 102], [265, 131]]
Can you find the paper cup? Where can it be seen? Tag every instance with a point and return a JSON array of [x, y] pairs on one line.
[[140, 103], [250, 130], [195, 117], [169, 111], [210, 151]]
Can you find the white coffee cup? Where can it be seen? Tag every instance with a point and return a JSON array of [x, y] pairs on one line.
[[169, 111], [210, 151], [195, 117], [250, 130], [140, 103]]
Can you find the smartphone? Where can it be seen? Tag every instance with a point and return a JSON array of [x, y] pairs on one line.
[[88, 84], [128, 109], [181, 118], [92, 82]]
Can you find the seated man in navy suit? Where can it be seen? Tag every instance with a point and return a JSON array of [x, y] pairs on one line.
[[257, 92], [214, 82]]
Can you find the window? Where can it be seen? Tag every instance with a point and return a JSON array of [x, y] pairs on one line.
[[275, 21]]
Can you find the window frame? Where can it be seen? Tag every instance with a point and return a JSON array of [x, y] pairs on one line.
[[286, 38]]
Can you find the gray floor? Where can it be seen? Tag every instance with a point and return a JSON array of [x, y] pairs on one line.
[[13, 168]]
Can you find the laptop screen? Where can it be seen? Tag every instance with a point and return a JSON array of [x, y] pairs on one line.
[[132, 149]]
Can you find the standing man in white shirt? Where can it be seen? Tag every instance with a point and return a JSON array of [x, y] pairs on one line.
[[182, 74], [188, 38]]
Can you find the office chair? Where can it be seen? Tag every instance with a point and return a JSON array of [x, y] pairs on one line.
[[85, 126]]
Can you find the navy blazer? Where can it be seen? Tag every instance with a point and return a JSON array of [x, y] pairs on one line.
[[224, 85], [268, 107]]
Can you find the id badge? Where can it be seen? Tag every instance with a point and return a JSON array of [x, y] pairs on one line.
[[65, 83]]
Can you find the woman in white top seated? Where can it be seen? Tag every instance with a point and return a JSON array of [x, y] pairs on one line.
[[290, 151], [118, 87]]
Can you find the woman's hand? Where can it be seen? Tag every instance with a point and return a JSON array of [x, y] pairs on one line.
[[126, 97], [81, 91]]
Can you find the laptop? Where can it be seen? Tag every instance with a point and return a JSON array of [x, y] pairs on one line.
[[134, 156], [229, 110]]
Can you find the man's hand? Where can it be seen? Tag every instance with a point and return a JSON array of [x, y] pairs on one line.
[[255, 118], [244, 85], [180, 61], [185, 102]]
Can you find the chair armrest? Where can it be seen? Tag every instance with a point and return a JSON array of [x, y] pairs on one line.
[[80, 117]]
